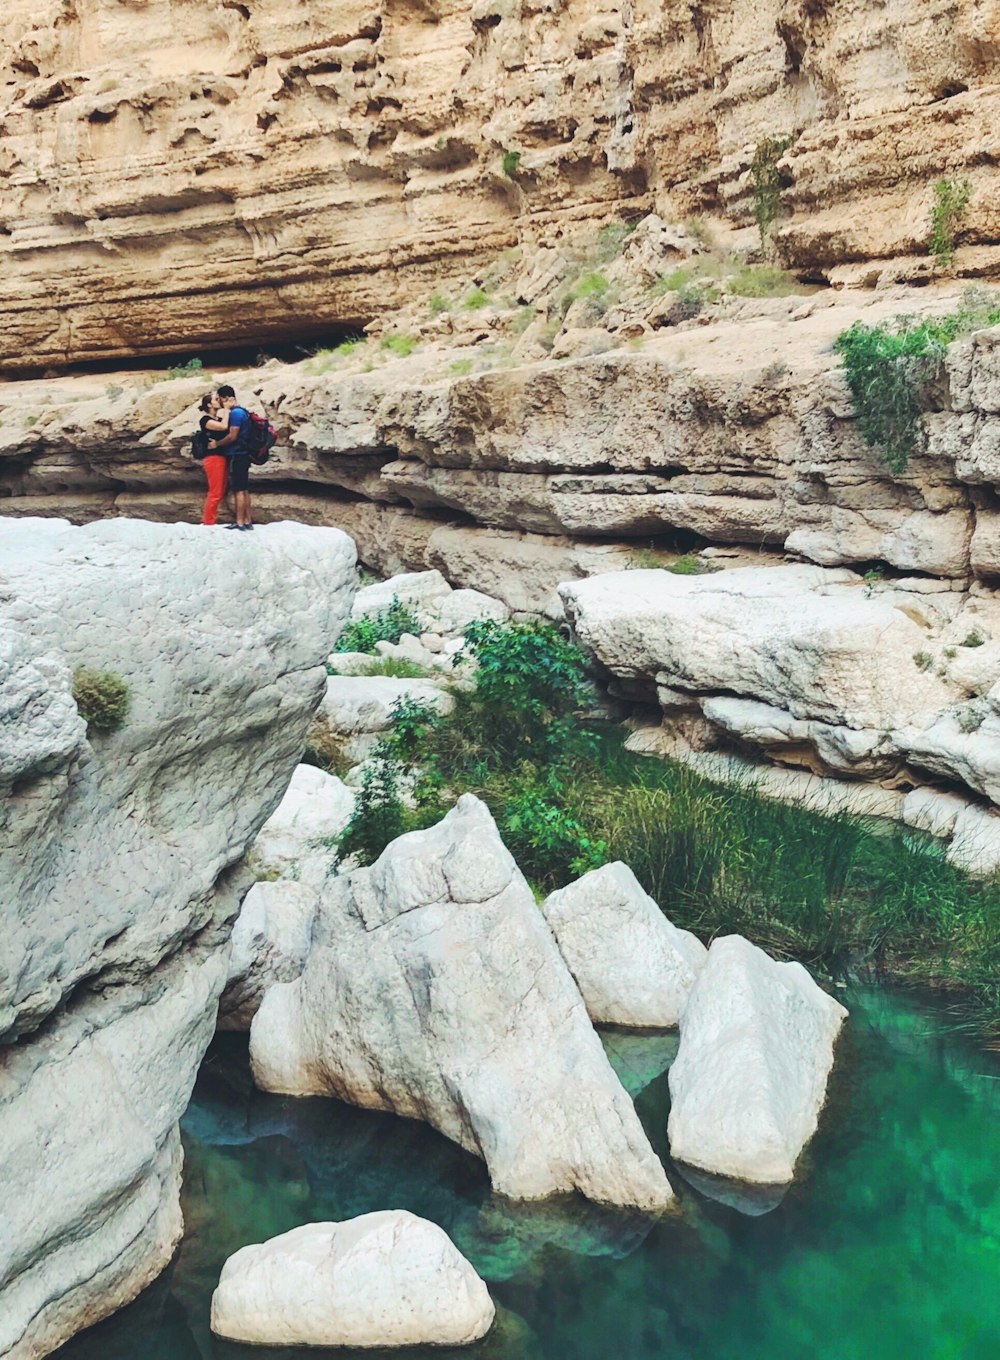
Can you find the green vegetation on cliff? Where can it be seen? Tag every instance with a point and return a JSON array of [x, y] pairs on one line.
[[892, 371]]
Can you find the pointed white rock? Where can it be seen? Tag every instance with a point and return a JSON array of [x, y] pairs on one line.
[[633, 967], [749, 1079], [434, 989], [384, 1279]]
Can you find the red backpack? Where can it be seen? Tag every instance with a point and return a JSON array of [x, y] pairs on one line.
[[261, 438]]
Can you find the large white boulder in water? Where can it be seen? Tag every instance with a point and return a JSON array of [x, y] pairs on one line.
[[384, 1279], [119, 869], [271, 940], [749, 1079], [435, 989], [632, 965]]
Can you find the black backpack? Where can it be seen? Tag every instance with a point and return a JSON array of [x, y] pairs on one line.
[[199, 444]]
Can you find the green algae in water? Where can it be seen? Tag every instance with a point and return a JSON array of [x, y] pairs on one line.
[[886, 1248]]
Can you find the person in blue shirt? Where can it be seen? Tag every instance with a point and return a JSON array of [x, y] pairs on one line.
[[234, 445]]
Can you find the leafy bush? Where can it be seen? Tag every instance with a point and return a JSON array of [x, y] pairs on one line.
[[611, 240], [388, 625], [591, 285], [767, 183], [460, 368], [530, 684], [379, 814], [689, 565], [923, 661], [511, 160], [396, 667], [187, 370], [973, 639], [890, 370], [102, 698], [951, 197], [437, 304], [549, 844], [476, 299]]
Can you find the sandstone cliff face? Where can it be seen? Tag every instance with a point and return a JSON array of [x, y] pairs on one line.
[[183, 177], [117, 883]]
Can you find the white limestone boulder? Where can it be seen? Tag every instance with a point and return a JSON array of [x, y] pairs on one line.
[[120, 855], [792, 637], [270, 944], [298, 840], [384, 1279], [357, 704], [456, 611], [633, 967], [749, 1079], [421, 591], [434, 988]]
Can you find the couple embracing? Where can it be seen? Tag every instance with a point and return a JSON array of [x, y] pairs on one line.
[[227, 460]]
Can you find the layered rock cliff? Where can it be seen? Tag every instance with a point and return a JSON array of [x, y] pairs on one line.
[[118, 877], [182, 177]]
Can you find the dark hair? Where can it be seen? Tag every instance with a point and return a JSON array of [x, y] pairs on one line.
[[205, 402], [226, 391]]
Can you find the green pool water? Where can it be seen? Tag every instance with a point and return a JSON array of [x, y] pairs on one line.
[[887, 1247]]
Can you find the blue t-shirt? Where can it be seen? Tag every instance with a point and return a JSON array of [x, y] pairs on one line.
[[239, 418]]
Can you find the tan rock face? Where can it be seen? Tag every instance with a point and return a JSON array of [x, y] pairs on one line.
[[182, 177]]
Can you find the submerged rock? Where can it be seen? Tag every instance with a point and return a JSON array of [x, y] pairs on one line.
[[434, 989], [118, 877], [384, 1279], [633, 967], [749, 1079], [270, 944]]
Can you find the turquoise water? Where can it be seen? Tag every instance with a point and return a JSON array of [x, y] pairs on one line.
[[886, 1248]]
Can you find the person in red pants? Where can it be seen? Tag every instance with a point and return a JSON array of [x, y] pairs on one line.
[[216, 465]]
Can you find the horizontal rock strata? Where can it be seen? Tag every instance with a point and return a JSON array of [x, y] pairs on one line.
[[332, 165], [117, 883]]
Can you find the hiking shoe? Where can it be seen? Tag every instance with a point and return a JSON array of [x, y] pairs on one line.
[[244, 527], [234, 526]]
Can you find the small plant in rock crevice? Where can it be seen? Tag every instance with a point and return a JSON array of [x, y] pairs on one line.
[[768, 183], [511, 161], [923, 661], [951, 198], [102, 698], [973, 639], [387, 625]]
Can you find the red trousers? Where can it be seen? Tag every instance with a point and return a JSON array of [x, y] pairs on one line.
[[216, 467]]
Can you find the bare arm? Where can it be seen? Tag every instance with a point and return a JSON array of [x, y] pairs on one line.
[[230, 438]]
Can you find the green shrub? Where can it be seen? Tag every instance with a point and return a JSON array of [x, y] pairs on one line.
[[379, 814], [460, 368], [396, 667], [511, 160], [530, 684], [523, 319], [102, 698], [689, 565], [767, 183], [550, 845], [437, 304], [388, 625], [591, 285], [476, 299], [400, 345], [951, 197], [188, 370], [923, 661], [611, 240], [762, 281], [973, 639], [888, 372]]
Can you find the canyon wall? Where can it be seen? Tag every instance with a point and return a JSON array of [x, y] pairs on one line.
[[181, 177], [120, 870]]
